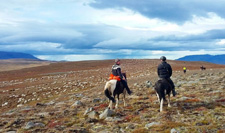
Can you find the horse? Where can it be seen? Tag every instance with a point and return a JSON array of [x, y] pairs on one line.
[[202, 68], [112, 89], [163, 88]]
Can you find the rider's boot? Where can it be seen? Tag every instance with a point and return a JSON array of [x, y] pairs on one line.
[[127, 88], [174, 92], [129, 91]]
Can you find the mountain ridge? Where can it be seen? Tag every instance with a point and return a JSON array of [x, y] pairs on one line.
[[16, 55], [217, 59]]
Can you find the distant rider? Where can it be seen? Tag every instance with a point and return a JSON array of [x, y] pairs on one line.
[[116, 71], [185, 69], [165, 72]]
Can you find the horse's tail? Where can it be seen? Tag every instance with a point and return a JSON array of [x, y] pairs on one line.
[[107, 91], [160, 89]]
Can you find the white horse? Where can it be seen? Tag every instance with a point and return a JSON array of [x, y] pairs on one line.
[[113, 88]]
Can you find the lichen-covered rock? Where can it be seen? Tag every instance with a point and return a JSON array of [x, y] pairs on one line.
[[106, 113]]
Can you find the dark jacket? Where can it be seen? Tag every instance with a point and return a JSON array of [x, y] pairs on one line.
[[164, 70], [116, 71]]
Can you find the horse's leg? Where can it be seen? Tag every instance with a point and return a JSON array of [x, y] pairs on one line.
[[158, 96], [124, 100], [110, 104], [169, 100], [117, 101], [161, 105]]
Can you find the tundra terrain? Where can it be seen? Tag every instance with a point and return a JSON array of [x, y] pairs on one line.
[[68, 97]]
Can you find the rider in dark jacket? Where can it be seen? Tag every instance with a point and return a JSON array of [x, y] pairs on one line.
[[116, 71], [165, 72]]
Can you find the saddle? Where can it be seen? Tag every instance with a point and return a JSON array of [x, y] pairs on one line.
[[162, 80]]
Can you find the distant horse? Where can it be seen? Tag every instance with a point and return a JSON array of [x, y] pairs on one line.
[[163, 88], [112, 89], [202, 68]]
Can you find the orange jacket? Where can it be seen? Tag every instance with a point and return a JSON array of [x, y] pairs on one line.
[[114, 77]]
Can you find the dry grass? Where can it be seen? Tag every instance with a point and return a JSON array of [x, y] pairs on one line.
[[65, 83]]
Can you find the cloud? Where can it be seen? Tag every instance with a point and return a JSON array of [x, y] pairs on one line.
[[72, 57], [81, 29], [127, 54], [71, 38], [174, 10], [221, 42]]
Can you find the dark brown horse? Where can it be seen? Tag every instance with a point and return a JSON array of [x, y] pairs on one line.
[[163, 88]]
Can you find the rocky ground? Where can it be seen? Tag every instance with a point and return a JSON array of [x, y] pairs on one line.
[[68, 97]]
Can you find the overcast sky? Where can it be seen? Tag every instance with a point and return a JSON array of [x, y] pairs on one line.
[[107, 29]]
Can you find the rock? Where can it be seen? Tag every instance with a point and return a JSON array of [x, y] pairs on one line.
[[130, 126], [111, 119], [202, 79], [92, 115], [87, 111], [183, 98], [106, 113], [19, 105], [50, 103], [121, 130], [135, 84], [77, 103], [151, 124], [29, 125], [78, 95], [148, 84], [12, 131], [60, 104], [42, 114], [174, 131], [39, 125], [6, 103], [27, 108], [96, 100]]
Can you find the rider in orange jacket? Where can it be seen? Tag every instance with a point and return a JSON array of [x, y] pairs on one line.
[[116, 71]]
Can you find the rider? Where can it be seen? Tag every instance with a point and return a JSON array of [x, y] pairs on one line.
[[165, 72], [185, 69], [116, 71]]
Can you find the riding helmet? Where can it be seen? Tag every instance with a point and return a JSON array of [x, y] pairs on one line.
[[116, 60], [163, 58]]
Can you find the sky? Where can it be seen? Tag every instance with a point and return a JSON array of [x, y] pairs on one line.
[[74, 30]]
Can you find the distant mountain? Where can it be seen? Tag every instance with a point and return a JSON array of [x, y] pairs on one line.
[[217, 59], [16, 55]]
